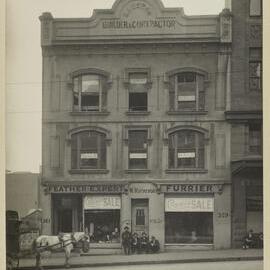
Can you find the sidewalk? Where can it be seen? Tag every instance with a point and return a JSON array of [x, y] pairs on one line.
[[57, 260]]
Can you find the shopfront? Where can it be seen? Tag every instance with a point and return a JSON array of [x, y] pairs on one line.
[[189, 220], [196, 214], [102, 218], [94, 208]]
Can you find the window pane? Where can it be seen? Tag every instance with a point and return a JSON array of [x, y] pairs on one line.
[[138, 101], [137, 140], [255, 75], [90, 83], [186, 77], [255, 137], [103, 225], [90, 102], [188, 227], [140, 217], [135, 163], [255, 7]]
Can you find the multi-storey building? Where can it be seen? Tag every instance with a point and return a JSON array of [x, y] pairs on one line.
[[134, 128], [245, 116]]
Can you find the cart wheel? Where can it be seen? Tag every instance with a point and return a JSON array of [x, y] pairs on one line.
[[85, 246]]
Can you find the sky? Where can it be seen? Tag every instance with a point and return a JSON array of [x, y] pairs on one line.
[[24, 69]]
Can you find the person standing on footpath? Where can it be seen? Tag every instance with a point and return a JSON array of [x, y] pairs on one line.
[[126, 239]]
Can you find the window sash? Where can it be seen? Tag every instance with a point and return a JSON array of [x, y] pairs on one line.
[[188, 92], [84, 89], [137, 149], [92, 156], [188, 154], [255, 7]]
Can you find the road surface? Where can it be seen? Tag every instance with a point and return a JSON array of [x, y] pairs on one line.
[[242, 265]]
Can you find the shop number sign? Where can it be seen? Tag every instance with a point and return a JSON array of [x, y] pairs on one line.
[[102, 202]]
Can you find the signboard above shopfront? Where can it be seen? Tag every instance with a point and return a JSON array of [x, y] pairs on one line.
[[84, 188], [192, 188]]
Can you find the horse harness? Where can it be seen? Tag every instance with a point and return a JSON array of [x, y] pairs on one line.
[[63, 243]]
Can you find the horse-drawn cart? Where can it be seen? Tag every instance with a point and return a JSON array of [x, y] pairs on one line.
[[23, 239], [12, 239]]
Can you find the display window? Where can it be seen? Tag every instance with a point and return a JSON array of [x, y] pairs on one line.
[[189, 220], [102, 218]]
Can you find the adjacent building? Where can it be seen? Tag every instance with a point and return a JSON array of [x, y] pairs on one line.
[[22, 192], [245, 116], [134, 129]]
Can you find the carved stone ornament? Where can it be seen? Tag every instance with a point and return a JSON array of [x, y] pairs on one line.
[[136, 5]]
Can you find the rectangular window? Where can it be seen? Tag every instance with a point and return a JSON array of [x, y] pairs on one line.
[[255, 68], [88, 150], [102, 218], [137, 144], [255, 7], [138, 91], [189, 220], [187, 92], [255, 139], [186, 150], [255, 79], [88, 93]]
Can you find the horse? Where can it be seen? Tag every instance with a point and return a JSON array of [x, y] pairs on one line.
[[65, 241]]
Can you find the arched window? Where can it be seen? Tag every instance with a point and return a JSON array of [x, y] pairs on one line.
[[89, 92], [88, 150], [186, 92], [186, 149]]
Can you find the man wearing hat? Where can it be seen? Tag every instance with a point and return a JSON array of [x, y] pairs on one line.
[[126, 239]]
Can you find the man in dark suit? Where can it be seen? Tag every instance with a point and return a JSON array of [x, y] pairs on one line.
[[126, 239]]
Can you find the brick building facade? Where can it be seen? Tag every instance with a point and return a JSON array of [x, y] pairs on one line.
[[245, 116]]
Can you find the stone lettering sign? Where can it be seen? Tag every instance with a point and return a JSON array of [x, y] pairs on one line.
[[123, 24]]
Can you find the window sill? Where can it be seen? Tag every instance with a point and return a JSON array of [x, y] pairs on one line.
[[139, 113], [137, 171], [103, 113], [191, 170], [187, 112], [85, 171]]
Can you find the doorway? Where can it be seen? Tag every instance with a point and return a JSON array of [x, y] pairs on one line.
[[140, 216]]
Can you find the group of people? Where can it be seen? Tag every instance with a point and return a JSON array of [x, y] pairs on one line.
[[253, 241], [133, 244]]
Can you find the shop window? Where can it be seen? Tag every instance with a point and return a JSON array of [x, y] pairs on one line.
[[255, 7], [189, 220], [102, 218], [186, 92], [89, 93], [137, 146], [88, 150], [186, 149], [255, 139], [138, 91]]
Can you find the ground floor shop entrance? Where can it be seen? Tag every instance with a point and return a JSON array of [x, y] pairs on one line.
[[67, 213]]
